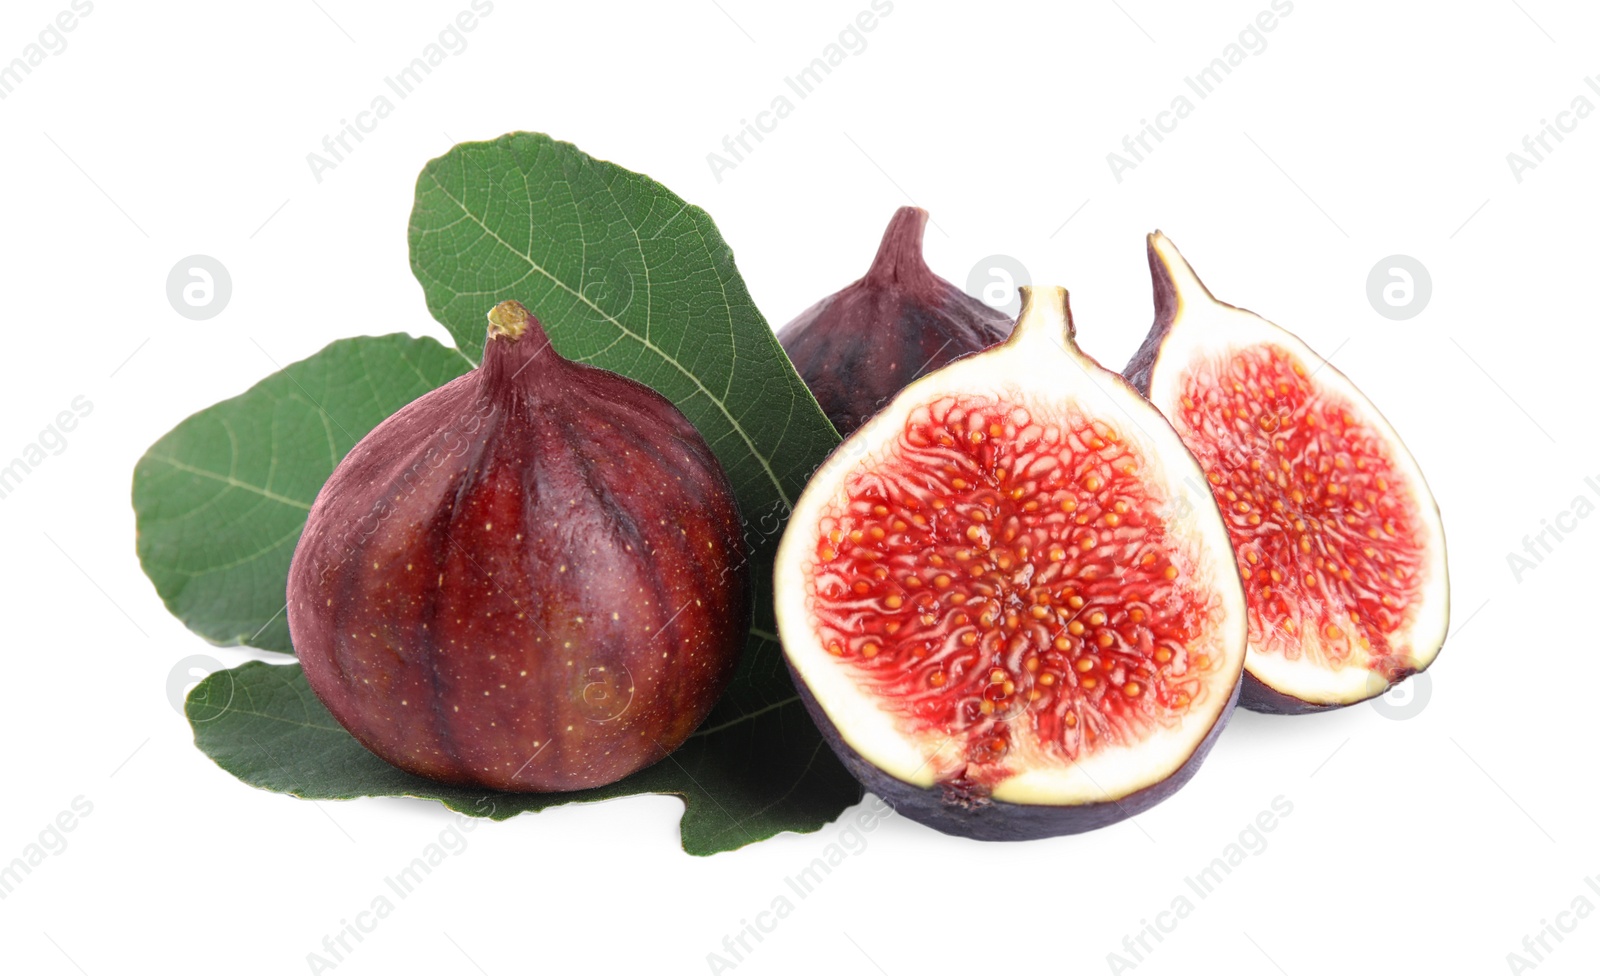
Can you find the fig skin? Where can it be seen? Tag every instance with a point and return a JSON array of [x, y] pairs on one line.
[[530, 579], [997, 820], [1258, 696], [863, 344]]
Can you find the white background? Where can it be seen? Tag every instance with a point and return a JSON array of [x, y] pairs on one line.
[[1433, 841]]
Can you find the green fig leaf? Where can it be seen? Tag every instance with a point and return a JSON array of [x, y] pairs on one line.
[[624, 275], [220, 500], [767, 773]]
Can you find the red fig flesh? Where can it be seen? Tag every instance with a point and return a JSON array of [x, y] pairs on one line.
[[860, 346], [1001, 604], [532, 578], [1338, 540]]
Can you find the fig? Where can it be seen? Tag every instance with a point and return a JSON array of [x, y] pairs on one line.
[[861, 345], [1338, 540], [1001, 604], [529, 579]]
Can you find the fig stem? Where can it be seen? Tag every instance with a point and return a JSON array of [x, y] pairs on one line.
[[509, 320], [899, 257], [1046, 316], [516, 341], [1172, 279]]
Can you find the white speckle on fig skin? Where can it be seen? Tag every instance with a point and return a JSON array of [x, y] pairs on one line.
[[559, 457]]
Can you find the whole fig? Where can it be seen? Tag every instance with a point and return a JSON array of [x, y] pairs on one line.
[[532, 578], [860, 346]]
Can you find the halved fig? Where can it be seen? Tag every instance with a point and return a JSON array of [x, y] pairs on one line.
[[1338, 540], [999, 602]]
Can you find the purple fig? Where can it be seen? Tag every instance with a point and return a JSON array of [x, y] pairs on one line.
[[861, 345], [532, 578]]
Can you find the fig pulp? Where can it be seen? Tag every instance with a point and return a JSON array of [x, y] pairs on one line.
[[860, 346], [1337, 538], [532, 578], [1002, 603]]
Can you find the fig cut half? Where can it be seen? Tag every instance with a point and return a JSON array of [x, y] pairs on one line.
[[1338, 540], [1003, 601]]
